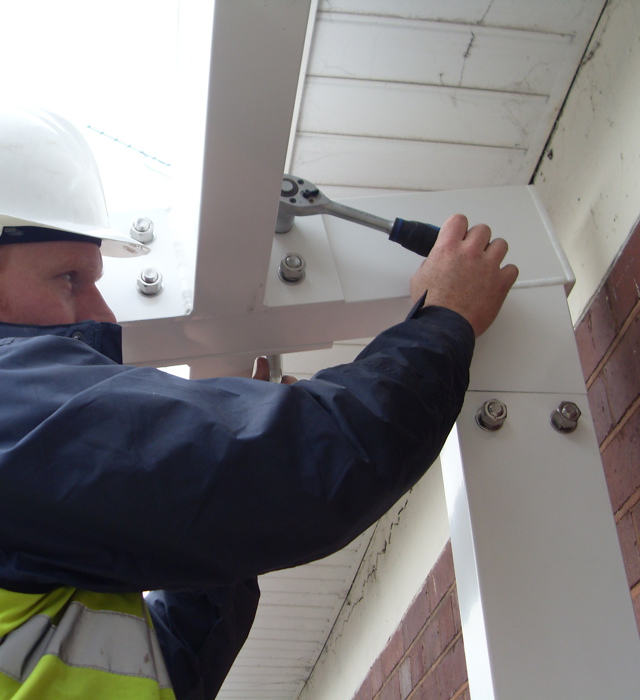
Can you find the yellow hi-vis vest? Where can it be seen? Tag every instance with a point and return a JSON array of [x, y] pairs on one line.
[[70, 644]]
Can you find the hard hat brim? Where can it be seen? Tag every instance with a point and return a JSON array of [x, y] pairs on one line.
[[112, 243], [116, 245]]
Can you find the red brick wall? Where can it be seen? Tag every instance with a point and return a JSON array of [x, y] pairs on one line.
[[424, 659], [609, 343]]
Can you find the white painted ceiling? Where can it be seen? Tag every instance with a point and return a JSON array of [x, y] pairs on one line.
[[406, 95], [444, 94]]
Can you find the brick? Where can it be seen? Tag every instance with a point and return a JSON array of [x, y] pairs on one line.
[[586, 351], [635, 518], [621, 460], [628, 537], [404, 678], [446, 622], [595, 332], [391, 689], [430, 646], [427, 689], [441, 577], [364, 691], [416, 617], [416, 658], [376, 676], [392, 653], [635, 596], [600, 410], [456, 610], [624, 279], [621, 375], [452, 671]]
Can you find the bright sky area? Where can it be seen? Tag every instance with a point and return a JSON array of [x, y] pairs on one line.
[[108, 66]]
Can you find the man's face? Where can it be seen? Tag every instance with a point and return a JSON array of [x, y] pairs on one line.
[[51, 283]]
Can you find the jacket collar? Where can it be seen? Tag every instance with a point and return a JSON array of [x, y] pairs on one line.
[[106, 338]]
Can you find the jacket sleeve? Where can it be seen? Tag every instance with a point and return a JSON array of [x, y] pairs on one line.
[[137, 480], [201, 633]]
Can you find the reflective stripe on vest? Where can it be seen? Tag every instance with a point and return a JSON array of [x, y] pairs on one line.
[[97, 640]]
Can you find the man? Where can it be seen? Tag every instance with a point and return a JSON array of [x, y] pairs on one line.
[[115, 479]]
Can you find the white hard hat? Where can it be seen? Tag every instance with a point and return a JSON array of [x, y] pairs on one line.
[[50, 186]]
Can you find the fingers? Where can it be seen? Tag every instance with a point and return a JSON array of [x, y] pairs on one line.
[[497, 250], [498, 247], [509, 275], [464, 273], [262, 372], [453, 230], [479, 236], [261, 369]]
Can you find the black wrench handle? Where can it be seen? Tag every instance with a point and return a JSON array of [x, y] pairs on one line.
[[415, 236]]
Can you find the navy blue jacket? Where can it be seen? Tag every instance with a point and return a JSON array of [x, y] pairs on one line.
[[120, 478]]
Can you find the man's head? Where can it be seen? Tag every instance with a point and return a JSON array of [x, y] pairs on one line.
[[52, 283], [53, 220]]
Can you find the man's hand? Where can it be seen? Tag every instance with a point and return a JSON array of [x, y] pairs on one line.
[[463, 273], [261, 371]]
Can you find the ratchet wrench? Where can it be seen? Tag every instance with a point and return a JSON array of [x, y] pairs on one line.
[[298, 197]]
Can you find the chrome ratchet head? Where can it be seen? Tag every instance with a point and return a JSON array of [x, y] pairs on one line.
[[301, 198], [298, 197]]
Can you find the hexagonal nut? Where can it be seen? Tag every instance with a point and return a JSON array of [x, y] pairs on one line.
[[565, 418], [292, 268], [150, 282], [142, 230], [491, 415]]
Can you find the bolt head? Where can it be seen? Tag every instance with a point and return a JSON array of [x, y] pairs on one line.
[[569, 410], [149, 282], [293, 262], [292, 268], [565, 418], [142, 230], [496, 410], [142, 224], [491, 415], [149, 275]]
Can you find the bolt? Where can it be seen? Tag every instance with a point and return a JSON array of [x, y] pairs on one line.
[[275, 368], [289, 188], [292, 268], [142, 230], [491, 415], [149, 282], [565, 418]]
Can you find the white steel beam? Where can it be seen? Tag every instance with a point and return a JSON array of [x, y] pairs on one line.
[[255, 65], [356, 283]]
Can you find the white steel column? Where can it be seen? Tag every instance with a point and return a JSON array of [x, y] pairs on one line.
[[546, 610]]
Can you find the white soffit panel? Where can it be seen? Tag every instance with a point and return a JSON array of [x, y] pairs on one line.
[[436, 95]]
